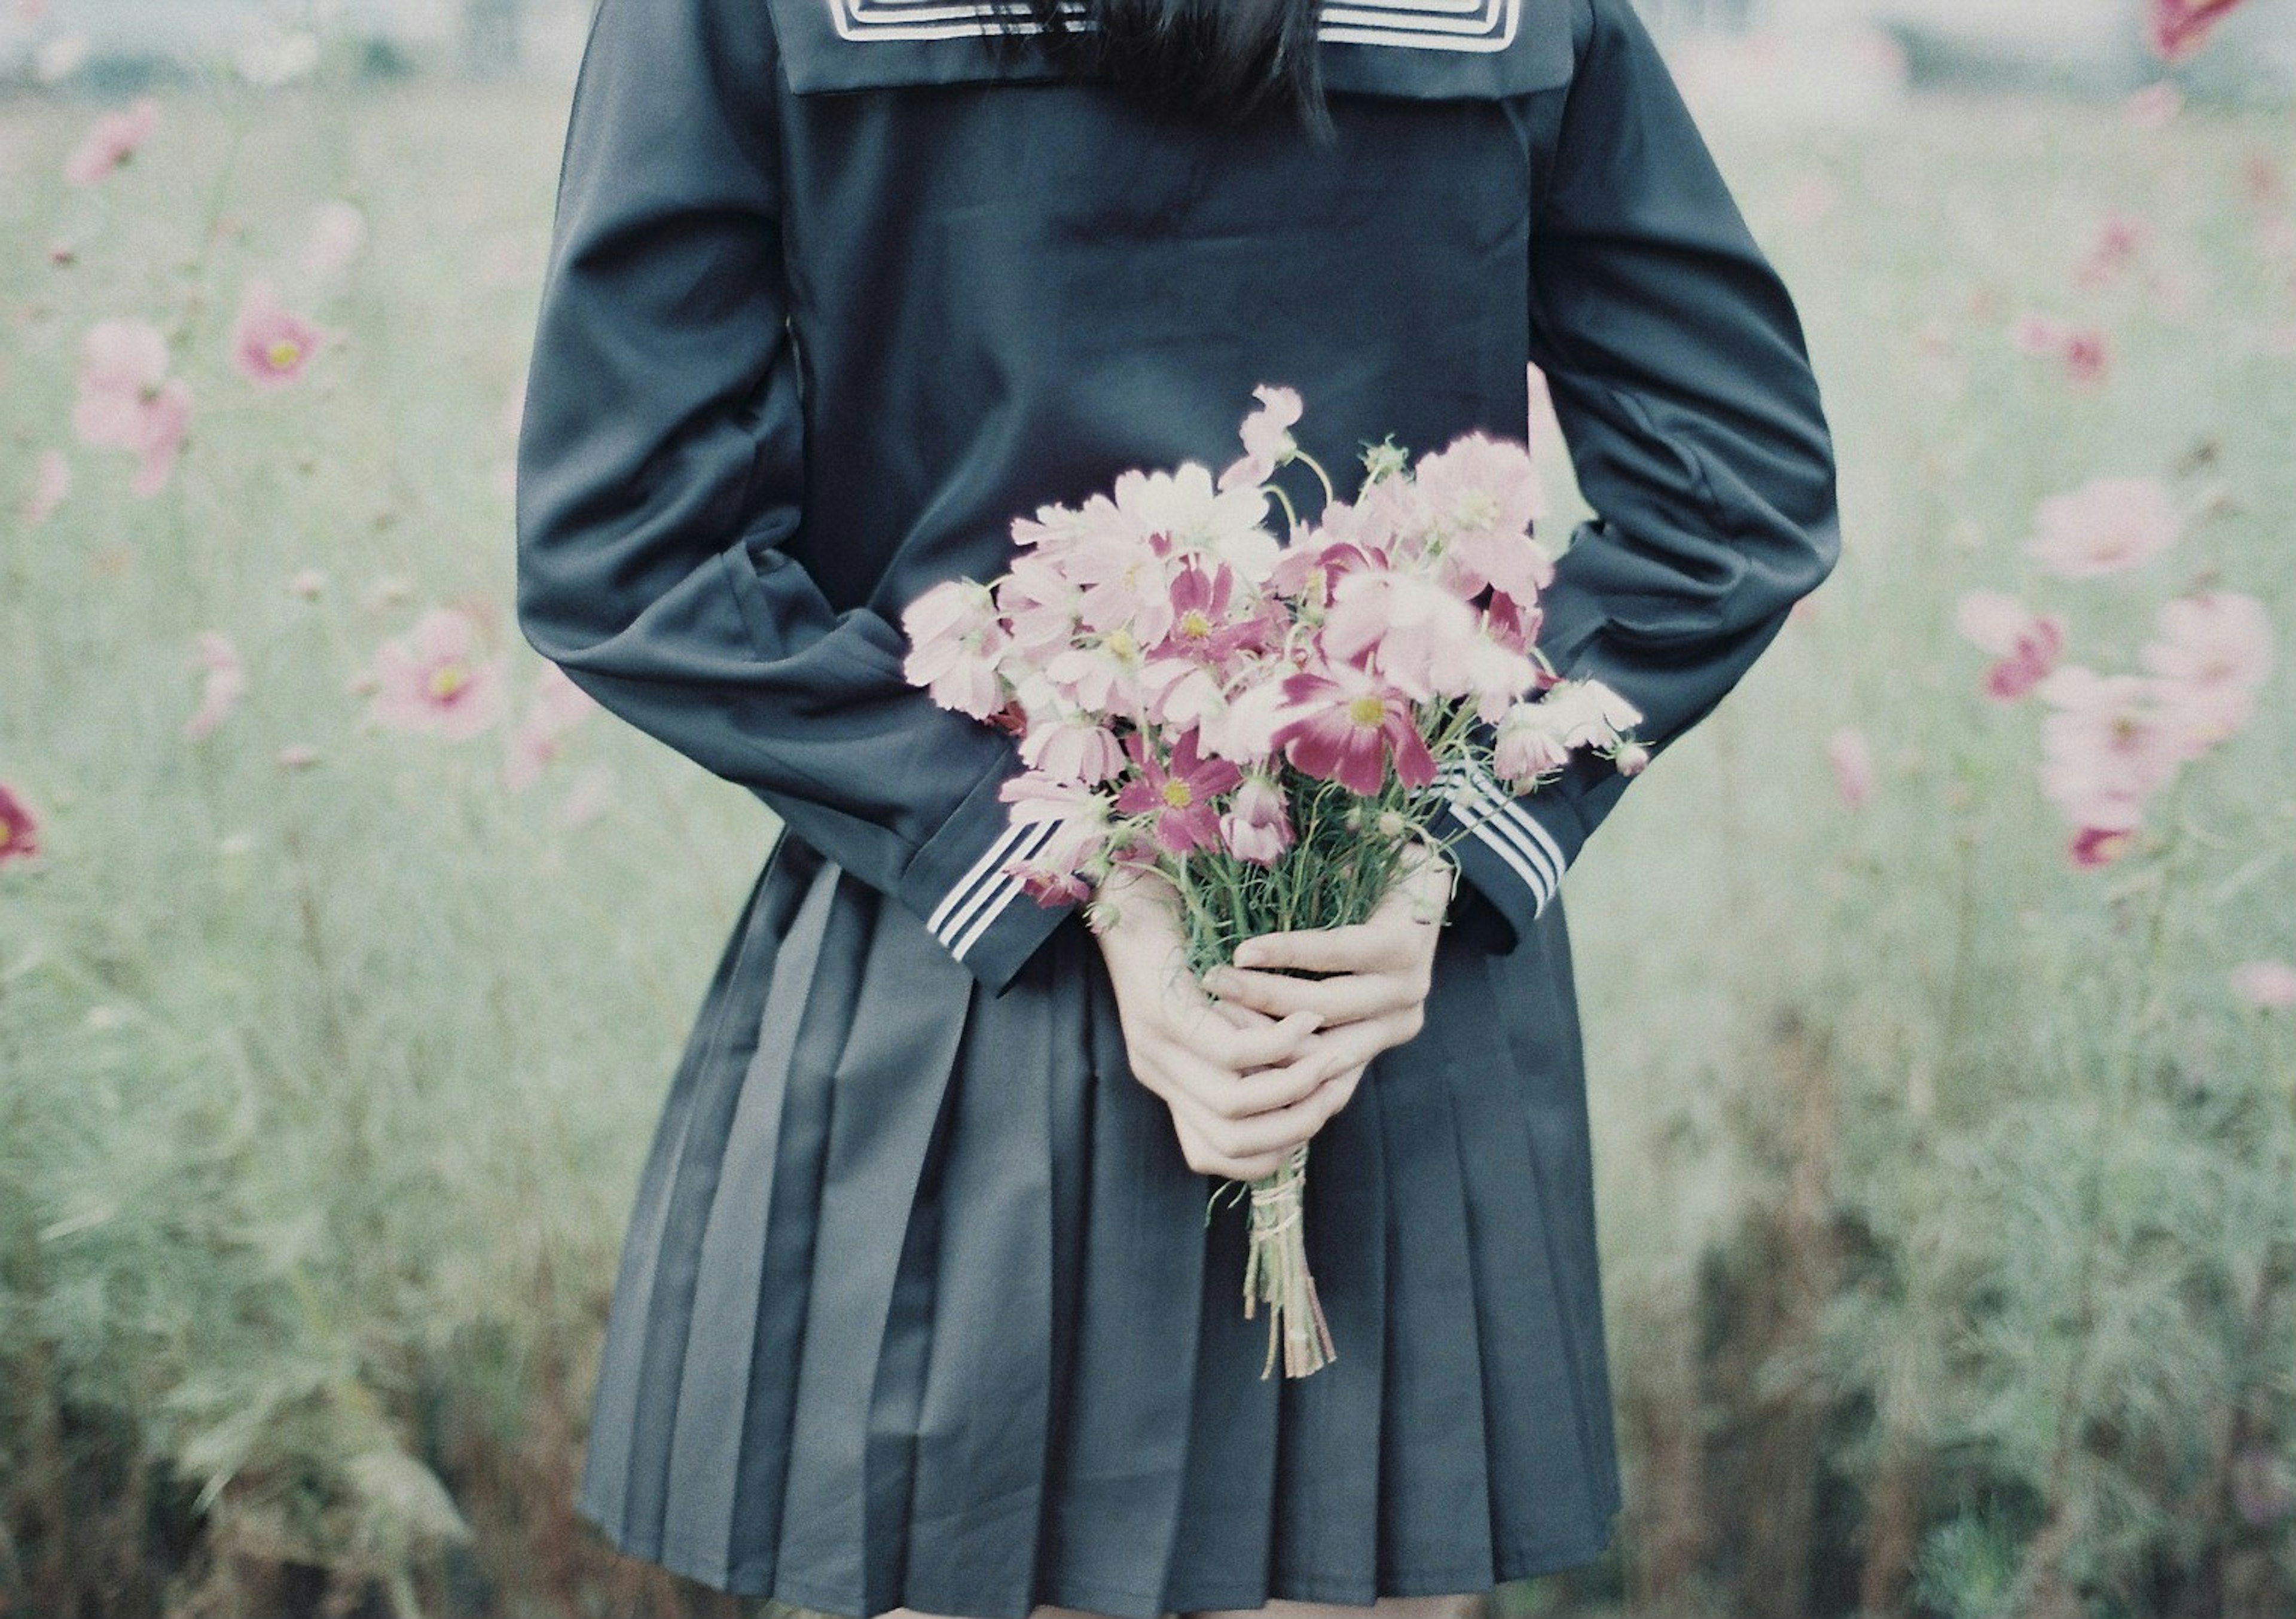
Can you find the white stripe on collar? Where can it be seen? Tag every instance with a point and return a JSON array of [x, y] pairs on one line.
[[1426, 25]]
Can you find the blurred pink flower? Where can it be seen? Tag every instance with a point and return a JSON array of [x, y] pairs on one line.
[[128, 402], [19, 829], [2037, 334], [2154, 106], [1343, 725], [270, 346], [224, 684], [1267, 435], [1484, 494], [2106, 748], [2211, 658], [2096, 847], [2087, 356], [1852, 759], [554, 707], [1527, 748], [51, 482], [1180, 796], [296, 756], [2178, 28], [1421, 639], [1079, 816], [337, 236], [307, 582], [2268, 986], [1257, 828], [114, 139], [433, 679], [2117, 241], [2025, 645], [2104, 525]]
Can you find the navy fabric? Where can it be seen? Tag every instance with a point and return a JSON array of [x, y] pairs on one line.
[[919, 1305]]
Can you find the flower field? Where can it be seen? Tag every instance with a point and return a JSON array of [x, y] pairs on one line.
[[1941, 988]]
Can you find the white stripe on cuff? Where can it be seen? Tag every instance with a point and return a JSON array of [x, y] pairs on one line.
[[1500, 822], [981, 895]]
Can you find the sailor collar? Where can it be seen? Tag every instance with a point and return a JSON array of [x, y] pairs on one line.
[[1422, 49]]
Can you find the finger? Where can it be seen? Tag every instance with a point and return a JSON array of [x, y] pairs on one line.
[[1345, 999], [1205, 1159], [1274, 1040], [1265, 1089], [1362, 947]]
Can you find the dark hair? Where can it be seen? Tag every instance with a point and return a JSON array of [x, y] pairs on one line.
[[1226, 61]]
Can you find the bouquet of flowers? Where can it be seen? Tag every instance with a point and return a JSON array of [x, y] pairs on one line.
[[1263, 721]]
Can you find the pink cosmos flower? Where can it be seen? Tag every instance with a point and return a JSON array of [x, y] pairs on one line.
[[1424, 641], [1484, 494], [114, 139], [224, 684], [1054, 874], [1206, 626], [2117, 241], [50, 483], [2154, 106], [1185, 510], [1852, 760], [2106, 749], [2211, 658], [1180, 796], [1267, 435], [2037, 334], [2104, 525], [1072, 749], [1243, 727], [2178, 28], [554, 707], [19, 829], [269, 345], [1258, 827], [128, 402], [2025, 645], [2087, 356], [954, 642], [433, 679], [1526, 748], [2269, 986], [1346, 723], [1310, 568]]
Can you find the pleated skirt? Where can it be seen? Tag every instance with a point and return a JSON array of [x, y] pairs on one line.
[[920, 1305]]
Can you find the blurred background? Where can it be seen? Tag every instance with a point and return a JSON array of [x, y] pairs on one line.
[[1941, 1001]]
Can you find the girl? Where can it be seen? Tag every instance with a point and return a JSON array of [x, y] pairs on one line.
[[920, 1307]]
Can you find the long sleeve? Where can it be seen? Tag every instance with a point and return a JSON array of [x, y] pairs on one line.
[[1680, 379], [660, 475]]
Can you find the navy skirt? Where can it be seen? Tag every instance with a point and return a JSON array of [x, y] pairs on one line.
[[920, 1306]]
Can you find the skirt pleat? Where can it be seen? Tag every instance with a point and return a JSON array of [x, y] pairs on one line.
[[920, 1305]]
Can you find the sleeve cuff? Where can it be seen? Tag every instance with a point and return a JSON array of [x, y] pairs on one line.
[[980, 914], [1513, 850]]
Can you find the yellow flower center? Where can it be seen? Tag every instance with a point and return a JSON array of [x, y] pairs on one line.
[[1122, 643], [7, 834], [1366, 710], [1194, 626], [283, 354], [447, 679], [1179, 795]]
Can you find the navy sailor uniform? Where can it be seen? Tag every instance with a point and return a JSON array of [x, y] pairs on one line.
[[918, 1303]]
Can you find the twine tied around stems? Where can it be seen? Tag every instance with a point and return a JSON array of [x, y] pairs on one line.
[[1276, 1269]]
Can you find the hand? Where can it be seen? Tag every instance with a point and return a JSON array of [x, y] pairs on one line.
[[1382, 968], [1243, 1087]]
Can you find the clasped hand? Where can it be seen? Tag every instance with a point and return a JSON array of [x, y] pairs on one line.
[[1255, 1061]]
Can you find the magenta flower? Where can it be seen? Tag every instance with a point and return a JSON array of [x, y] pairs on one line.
[[114, 139], [269, 345], [2025, 645], [50, 483], [1258, 826], [2178, 28], [1206, 629], [2087, 356], [224, 684], [2103, 526], [2269, 986], [1423, 640], [2094, 847], [128, 402], [1180, 796], [433, 680], [1346, 725], [20, 829], [2210, 658], [1267, 435]]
